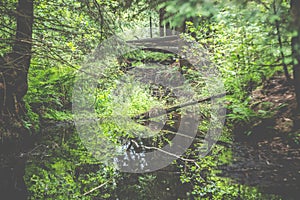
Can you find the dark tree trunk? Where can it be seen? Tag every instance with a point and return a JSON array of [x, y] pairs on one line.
[[14, 66], [295, 11], [279, 38], [151, 30], [14, 137], [162, 13], [168, 29]]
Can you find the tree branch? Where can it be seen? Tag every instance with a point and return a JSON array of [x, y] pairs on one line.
[[146, 115]]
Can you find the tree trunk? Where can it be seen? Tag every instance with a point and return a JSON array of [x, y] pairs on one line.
[[161, 22], [279, 38], [14, 68], [295, 11]]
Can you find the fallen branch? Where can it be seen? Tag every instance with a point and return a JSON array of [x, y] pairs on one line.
[[175, 131], [146, 115]]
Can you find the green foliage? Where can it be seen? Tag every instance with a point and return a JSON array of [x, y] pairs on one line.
[[56, 115], [241, 40], [50, 90], [246, 50], [31, 121], [240, 111], [147, 56], [295, 137], [62, 168], [143, 187], [181, 10], [134, 99], [117, 103]]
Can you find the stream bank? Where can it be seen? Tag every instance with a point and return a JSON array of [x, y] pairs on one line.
[[269, 157]]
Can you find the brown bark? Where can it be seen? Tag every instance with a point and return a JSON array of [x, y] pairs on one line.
[[295, 12], [14, 137], [14, 66]]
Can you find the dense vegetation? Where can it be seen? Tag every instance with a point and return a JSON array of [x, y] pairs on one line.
[[45, 45]]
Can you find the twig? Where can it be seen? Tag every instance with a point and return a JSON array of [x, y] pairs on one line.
[[98, 187], [166, 152], [35, 148]]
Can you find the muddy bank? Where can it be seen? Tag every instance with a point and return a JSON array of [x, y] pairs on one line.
[[269, 157], [273, 166]]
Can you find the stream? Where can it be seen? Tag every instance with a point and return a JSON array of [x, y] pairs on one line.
[[256, 166], [270, 165]]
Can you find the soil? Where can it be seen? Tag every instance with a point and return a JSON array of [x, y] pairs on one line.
[[269, 157]]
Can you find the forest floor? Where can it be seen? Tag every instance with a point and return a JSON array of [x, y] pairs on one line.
[[269, 157]]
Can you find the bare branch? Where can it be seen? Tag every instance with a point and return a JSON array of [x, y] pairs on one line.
[[98, 187]]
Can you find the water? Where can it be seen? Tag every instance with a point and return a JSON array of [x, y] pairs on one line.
[[245, 165]]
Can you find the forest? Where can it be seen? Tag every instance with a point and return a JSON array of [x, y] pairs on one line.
[[158, 100]]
